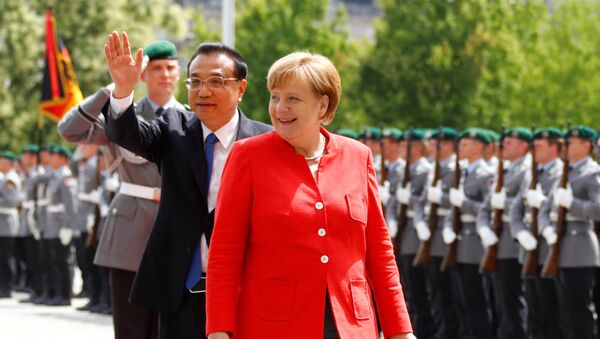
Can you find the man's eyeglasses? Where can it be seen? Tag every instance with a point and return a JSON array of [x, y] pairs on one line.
[[213, 82]]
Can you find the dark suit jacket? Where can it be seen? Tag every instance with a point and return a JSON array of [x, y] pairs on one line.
[[176, 144]]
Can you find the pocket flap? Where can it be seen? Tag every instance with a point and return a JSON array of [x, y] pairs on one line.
[[360, 299], [356, 208]]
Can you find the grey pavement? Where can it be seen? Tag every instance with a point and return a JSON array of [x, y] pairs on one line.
[[27, 321]]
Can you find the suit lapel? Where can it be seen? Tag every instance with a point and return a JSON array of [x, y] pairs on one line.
[[245, 129], [195, 153]]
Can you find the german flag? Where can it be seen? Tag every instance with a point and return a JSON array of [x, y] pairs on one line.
[[60, 90]]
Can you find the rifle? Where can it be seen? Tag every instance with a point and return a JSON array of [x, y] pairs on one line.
[[488, 263], [402, 216], [450, 259], [530, 265], [550, 269], [424, 252], [92, 237]]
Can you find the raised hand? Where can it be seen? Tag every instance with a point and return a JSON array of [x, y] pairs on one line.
[[124, 70]]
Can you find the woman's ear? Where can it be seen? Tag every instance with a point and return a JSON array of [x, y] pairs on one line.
[[323, 105]]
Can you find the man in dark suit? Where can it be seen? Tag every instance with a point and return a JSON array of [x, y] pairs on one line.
[[190, 151]]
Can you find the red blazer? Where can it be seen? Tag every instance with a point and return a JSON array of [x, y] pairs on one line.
[[290, 239]]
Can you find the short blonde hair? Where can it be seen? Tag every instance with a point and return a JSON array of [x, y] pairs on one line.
[[317, 70]]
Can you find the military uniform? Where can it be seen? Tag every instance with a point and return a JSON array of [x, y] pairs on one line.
[[9, 223], [413, 278], [579, 251], [442, 292], [57, 234], [540, 293], [475, 183]]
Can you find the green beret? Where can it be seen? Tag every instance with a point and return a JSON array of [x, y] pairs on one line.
[[582, 132], [548, 133], [492, 135], [370, 133], [8, 155], [428, 132], [522, 133], [62, 150], [161, 49], [445, 133], [393, 133], [347, 133], [477, 134], [33, 149], [414, 134]]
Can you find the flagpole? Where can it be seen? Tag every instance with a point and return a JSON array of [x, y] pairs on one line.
[[228, 22]]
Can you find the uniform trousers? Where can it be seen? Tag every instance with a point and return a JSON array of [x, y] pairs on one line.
[[32, 259], [84, 262], [329, 329], [543, 318], [20, 265], [6, 273], [189, 321], [58, 276], [510, 302], [576, 299], [443, 302], [130, 321], [471, 297], [415, 292]]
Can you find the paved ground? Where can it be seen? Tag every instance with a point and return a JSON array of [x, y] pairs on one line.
[[27, 321]]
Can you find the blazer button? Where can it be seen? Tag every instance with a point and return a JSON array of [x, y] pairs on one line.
[[321, 232], [324, 259], [319, 205]]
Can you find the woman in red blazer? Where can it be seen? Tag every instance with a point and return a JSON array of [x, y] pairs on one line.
[[308, 242]]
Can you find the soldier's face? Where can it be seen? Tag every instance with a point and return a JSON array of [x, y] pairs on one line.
[[215, 106], [544, 151], [514, 148], [471, 149], [578, 149], [4, 165], [390, 147], [161, 77]]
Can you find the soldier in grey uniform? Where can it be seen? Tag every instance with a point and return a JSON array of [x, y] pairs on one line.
[[441, 290], [579, 252], [507, 277], [371, 136], [28, 227], [133, 209], [9, 219], [491, 149], [543, 320], [57, 233], [475, 184], [395, 171], [413, 278]]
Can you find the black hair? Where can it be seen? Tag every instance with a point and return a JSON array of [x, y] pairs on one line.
[[241, 68]]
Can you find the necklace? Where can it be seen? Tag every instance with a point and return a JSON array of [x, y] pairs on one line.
[[318, 154]]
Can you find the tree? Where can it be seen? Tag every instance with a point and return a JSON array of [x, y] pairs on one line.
[[83, 27], [268, 30]]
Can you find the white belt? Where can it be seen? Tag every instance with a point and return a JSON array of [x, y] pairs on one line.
[[27, 204], [139, 191], [441, 212], [8, 210], [528, 218], [43, 202], [60, 208], [87, 197], [505, 218], [554, 218], [410, 213], [468, 218]]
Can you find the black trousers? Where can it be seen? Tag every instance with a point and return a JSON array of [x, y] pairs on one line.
[[576, 299], [58, 276], [20, 264], [476, 313], [329, 329], [443, 301], [32, 261], [130, 321], [415, 292], [189, 321], [543, 318], [6, 272], [510, 302], [85, 260]]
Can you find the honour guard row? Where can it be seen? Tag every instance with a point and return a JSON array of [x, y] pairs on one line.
[[494, 233]]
